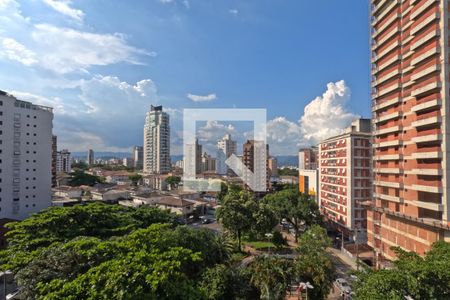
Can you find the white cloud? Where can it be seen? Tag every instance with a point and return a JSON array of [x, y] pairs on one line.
[[214, 130], [234, 12], [56, 103], [66, 50], [62, 50], [14, 50], [283, 136], [200, 98], [327, 115], [323, 117], [63, 7]]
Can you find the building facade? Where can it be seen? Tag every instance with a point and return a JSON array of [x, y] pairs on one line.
[[307, 158], [138, 157], [25, 157], [208, 163], [249, 152], [225, 148], [272, 164], [157, 142], [410, 86], [54, 159], [345, 179], [63, 161], [90, 157], [308, 182]]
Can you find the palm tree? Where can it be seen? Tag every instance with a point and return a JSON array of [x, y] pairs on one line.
[[271, 275]]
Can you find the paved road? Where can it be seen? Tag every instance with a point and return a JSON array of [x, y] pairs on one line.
[[343, 266]]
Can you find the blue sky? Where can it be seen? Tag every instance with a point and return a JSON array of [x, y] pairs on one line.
[[101, 64]]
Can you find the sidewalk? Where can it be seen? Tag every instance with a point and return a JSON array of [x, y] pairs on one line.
[[344, 258]]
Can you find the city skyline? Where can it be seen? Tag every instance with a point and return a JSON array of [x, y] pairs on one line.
[[91, 91]]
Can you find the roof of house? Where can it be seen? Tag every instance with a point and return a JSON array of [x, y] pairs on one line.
[[174, 201]]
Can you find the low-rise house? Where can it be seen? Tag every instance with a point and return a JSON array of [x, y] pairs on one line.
[[68, 192], [176, 205], [111, 195], [117, 177]]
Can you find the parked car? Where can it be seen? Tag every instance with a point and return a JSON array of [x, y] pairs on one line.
[[343, 286], [206, 221]]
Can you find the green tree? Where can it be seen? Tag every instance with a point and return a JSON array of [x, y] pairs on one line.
[[418, 277], [173, 181], [158, 262], [223, 191], [135, 178], [236, 213], [79, 177], [299, 209], [271, 275], [219, 283], [28, 238], [80, 165], [278, 240], [313, 263], [263, 218], [287, 172]]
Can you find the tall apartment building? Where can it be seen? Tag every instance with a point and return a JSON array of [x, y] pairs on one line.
[[272, 164], [208, 163], [138, 157], [225, 148], [307, 158], [25, 157], [250, 151], [157, 142], [345, 179], [63, 161], [90, 157], [410, 86]]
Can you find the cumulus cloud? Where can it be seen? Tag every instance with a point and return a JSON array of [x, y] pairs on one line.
[[327, 115], [283, 136], [14, 50], [323, 117], [234, 12], [63, 7], [61, 50], [214, 130], [104, 113], [200, 98]]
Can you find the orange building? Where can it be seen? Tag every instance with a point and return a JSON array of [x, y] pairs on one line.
[[410, 86]]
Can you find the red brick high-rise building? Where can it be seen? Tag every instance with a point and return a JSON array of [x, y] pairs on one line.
[[410, 86]]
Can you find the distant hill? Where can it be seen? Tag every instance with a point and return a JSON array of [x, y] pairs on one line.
[[287, 160], [283, 160]]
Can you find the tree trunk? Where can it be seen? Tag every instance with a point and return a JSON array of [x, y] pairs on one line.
[[239, 240]]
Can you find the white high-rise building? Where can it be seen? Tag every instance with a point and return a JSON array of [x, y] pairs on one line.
[[157, 142], [138, 157], [225, 148], [63, 161], [25, 157]]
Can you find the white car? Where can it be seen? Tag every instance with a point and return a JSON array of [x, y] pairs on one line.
[[343, 286]]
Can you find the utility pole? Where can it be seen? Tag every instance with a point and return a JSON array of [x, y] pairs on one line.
[[357, 249]]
